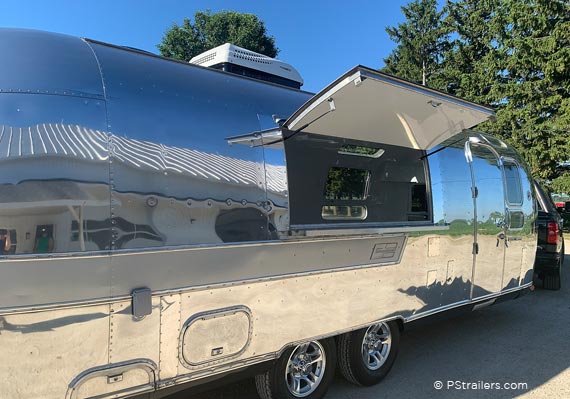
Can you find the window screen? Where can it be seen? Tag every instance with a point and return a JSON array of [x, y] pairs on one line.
[[513, 183]]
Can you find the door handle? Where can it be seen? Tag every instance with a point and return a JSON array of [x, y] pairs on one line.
[[502, 237]]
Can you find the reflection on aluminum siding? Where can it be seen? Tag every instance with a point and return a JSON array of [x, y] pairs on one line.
[[172, 119], [55, 171], [204, 190], [490, 216], [453, 207]]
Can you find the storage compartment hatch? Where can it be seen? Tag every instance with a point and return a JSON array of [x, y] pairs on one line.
[[214, 336]]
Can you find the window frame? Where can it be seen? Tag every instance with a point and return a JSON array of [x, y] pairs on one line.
[[505, 181], [348, 160]]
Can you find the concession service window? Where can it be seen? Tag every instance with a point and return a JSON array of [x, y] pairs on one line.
[[328, 185], [356, 152]]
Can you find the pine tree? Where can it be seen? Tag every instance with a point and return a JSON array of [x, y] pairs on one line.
[[421, 41], [513, 55], [533, 95], [471, 62]]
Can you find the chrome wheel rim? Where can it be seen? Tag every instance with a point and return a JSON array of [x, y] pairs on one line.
[[376, 346], [305, 369]]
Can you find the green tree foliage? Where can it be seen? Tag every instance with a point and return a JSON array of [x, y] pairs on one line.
[[470, 64], [561, 184], [182, 42], [421, 40], [533, 98], [513, 55]]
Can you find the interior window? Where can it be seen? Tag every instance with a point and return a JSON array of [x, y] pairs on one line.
[[343, 212], [346, 184], [419, 198], [361, 151]]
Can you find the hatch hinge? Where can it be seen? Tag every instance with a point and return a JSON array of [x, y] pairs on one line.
[[474, 192], [475, 248]]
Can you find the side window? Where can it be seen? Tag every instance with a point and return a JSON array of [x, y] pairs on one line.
[[512, 183]]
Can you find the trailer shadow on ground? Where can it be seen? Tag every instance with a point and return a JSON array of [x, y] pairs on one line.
[[520, 341]]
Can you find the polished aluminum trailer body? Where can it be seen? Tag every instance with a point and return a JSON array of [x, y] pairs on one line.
[[164, 227]]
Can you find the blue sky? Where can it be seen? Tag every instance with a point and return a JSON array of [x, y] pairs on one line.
[[322, 39]]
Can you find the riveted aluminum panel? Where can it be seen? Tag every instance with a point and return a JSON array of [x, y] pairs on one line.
[[54, 178], [50, 63], [42, 352], [175, 178], [131, 337], [170, 325]]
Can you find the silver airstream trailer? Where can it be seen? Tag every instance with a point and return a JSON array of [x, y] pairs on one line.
[[166, 223]]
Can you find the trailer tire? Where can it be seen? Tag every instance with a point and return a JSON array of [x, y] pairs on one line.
[[277, 382], [352, 347]]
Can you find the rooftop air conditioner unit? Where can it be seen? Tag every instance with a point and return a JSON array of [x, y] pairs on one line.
[[234, 59]]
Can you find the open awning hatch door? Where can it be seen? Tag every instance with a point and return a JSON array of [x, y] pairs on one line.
[[367, 105]]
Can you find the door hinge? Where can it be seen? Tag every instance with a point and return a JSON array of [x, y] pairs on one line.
[[475, 248], [474, 192]]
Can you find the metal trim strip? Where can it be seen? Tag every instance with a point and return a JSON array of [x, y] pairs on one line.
[[146, 364], [362, 235]]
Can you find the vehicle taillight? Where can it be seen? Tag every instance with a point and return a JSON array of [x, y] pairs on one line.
[[552, 237]]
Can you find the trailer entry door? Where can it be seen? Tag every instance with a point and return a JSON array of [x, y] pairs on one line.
[[490, 221]]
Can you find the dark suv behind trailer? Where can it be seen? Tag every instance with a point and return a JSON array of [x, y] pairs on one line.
[[550, 249]]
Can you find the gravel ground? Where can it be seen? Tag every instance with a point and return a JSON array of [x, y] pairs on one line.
[[521, 341]]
